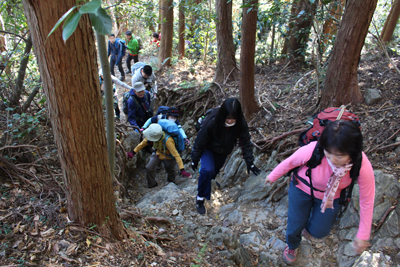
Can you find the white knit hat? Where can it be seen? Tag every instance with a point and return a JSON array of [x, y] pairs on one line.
[[138, 87], [153, 133]]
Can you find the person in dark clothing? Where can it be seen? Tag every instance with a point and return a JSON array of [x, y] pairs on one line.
[[115, 48], [215, 141], [139, 110]]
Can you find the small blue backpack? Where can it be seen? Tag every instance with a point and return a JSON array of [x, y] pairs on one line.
[[171, 130]]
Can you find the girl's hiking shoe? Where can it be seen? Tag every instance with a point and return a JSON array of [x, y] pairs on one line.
[[200, 207], [289, 255]]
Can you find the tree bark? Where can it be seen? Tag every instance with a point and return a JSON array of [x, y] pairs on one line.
[[16, 94], [331, 25], [391, 21], [167, 30], [226, 65], [181, 46], [302, 15], [247, 52], [71, 84], [341, 84]]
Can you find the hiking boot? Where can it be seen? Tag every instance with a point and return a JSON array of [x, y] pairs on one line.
[[152, 186], [308, 236], [289, 255], [200, 207], [122, 78], [128, 72]]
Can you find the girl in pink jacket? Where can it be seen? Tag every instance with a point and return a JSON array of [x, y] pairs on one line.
[[314, 206]]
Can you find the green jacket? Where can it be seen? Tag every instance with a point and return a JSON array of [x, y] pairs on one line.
[[133, 46]]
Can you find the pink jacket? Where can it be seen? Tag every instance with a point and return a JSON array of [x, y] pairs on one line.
[[320, 176]]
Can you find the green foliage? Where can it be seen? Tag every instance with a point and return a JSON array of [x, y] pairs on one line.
[[19, 126], [200, 257]]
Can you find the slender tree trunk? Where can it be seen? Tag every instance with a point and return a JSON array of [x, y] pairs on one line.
[[167, 29], [113, 18], [226, 50], [3, 46], [391, 22], [341, 84], [271, 53], [16, 94], [160, 15], [247, 52], [34, 92], [71, 84], [300, 26], [181, 46], [331, 25]]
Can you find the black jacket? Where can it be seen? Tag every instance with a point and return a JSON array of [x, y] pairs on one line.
[[206, 139]]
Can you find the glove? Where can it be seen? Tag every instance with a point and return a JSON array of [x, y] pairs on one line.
[[136, 130], [187, 142], [194, 165], [185, 174], [130, 154], [253, 168]]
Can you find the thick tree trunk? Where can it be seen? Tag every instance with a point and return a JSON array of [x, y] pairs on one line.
[[71, 84], [167, 31], [302, 14], [341, 84], [160, 15], [226, 65], [16, 94], [181, 46], [331, 25], [247, 52], [391, 22]]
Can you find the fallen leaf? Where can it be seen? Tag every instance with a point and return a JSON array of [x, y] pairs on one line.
[[71, 249], [248, 230], [98, 240], [88, 242], [48, 233]]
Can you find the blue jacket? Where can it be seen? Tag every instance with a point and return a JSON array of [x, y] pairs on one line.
[[115, 50], [138, 115]]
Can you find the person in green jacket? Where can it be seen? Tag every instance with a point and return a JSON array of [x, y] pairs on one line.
[[133, 50]]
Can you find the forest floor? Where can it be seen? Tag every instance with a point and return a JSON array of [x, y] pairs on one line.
[[34, 226]]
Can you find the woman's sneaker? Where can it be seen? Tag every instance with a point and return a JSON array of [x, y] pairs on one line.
[[289, 255], [200, 206]]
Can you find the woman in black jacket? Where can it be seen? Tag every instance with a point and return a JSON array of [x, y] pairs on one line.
[[215, 141]]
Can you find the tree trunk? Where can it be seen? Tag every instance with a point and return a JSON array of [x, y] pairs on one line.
[[16, 94], [331, 25], [34, 92], [302, 15], [247, 52], [226, 65], [181, 48], [391, 21], [113, 18], [160, 16], [167, 30], [341, 84], [71, 84]]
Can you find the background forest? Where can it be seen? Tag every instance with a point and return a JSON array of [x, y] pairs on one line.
[[68, 194]]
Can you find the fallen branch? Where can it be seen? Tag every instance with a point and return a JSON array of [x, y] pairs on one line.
[[305, 75], [268, 142], [375, 148]]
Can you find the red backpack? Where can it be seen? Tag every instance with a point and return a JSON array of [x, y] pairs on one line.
[[322, 119]]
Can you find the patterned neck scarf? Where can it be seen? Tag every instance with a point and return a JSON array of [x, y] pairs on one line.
[[333, 184]]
